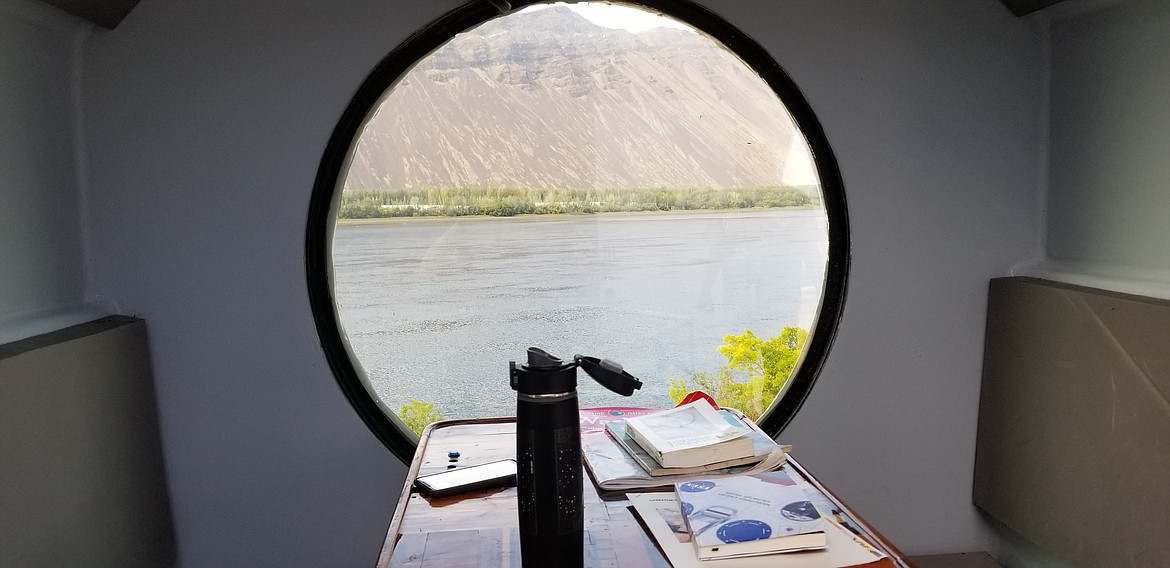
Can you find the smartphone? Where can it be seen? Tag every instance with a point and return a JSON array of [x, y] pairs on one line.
[[492, 474]]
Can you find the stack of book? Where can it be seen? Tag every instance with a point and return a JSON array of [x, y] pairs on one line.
[[627, 448], [692, 437], [731, 502]]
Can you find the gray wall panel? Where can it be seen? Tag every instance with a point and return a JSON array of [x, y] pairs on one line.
[[1073, 449], [80, 457]]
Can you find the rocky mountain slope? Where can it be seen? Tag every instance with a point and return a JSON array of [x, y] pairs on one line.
[[546, 99]]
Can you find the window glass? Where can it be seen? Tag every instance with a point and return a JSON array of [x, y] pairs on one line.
[[588, 178]]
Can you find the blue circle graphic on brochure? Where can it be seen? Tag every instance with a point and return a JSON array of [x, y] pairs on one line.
[[687, 509], [743, 530], [696, 486]]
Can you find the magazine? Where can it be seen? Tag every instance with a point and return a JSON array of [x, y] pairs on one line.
[[662, 515], [748, 515]]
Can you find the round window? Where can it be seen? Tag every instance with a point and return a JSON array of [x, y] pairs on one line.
[[637, 181]]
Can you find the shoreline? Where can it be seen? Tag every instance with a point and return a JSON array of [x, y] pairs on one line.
[[419, 218]]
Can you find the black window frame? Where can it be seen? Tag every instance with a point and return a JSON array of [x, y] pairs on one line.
[[335, 161]]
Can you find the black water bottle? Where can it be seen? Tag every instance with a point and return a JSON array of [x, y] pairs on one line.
[[548, 453]]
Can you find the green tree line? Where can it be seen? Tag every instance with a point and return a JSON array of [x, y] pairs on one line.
[[506, 202]]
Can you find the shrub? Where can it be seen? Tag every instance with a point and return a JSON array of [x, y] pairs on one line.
[[417, 414], [755, 371]]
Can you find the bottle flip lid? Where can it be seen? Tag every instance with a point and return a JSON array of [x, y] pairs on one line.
[[545, 374], [609, 374]]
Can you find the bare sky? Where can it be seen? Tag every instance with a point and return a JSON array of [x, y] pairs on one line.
[[619, 16]]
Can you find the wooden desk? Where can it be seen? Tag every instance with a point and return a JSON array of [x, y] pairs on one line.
[[480, 528]]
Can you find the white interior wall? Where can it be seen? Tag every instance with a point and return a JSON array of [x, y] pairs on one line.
[[1105, 193], [205, 124], [1108, 167], [42, 268], [934, 113], [208, 122]]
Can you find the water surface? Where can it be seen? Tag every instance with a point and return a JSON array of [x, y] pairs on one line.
[[435, 308]]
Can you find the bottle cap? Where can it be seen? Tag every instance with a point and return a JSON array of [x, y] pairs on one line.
[[544, 374]]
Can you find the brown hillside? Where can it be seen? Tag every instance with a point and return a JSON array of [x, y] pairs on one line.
[[546, 99]]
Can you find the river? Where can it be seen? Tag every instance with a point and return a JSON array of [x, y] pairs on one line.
[[435, 308]]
